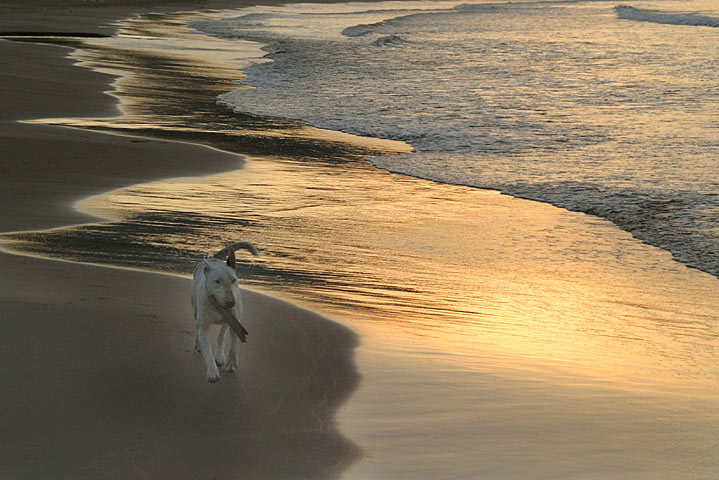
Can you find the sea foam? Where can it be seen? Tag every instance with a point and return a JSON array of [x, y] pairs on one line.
[[626, 12]]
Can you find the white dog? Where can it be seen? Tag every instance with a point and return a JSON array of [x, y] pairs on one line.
[[216, 300]]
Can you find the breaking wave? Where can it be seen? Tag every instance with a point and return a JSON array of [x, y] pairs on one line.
[[626, 12]]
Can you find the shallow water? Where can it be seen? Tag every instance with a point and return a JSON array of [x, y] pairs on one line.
[[477, 270], [500, 337], [579, 104]]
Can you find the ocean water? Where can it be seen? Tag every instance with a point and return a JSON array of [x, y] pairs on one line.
[[592, 106]]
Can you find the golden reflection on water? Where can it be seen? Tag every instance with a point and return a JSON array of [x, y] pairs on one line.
[[497, 333], [168, 77], [480, 279], [476, 277]]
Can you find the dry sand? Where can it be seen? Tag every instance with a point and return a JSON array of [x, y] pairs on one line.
[[98, 375]]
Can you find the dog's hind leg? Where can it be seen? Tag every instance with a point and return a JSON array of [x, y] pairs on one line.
[[194, 316], [213, 374], [197, 343], [220, 348]]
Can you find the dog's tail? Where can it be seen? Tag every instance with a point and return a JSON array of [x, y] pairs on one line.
[[230, 250]]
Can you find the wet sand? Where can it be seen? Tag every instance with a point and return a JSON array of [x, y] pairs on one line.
[[100, 380], [99, 376]]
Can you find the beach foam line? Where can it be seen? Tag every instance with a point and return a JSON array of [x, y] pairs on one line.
[[626, 12]]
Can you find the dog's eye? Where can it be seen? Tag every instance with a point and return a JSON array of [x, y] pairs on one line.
[[234, 280], [217, 281]]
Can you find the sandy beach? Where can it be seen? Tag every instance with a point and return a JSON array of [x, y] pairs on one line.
[[99, 377], [473, 334]]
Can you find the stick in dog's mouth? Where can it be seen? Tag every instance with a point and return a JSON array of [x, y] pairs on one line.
[[231, 320]]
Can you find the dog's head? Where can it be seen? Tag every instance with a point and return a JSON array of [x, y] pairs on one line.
[[221, 280]]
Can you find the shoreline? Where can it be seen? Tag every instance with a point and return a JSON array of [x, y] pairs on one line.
[[110, 348], [268, 170], [335, 139], [455, 400]]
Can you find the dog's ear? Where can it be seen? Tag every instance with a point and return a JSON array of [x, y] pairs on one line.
[[232, 260], [206, 266]]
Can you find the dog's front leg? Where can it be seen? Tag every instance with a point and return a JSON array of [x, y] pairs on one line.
[[232, 359], [220, 348], [213, 374]]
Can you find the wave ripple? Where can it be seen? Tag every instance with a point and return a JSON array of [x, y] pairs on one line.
[[667, 18]]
